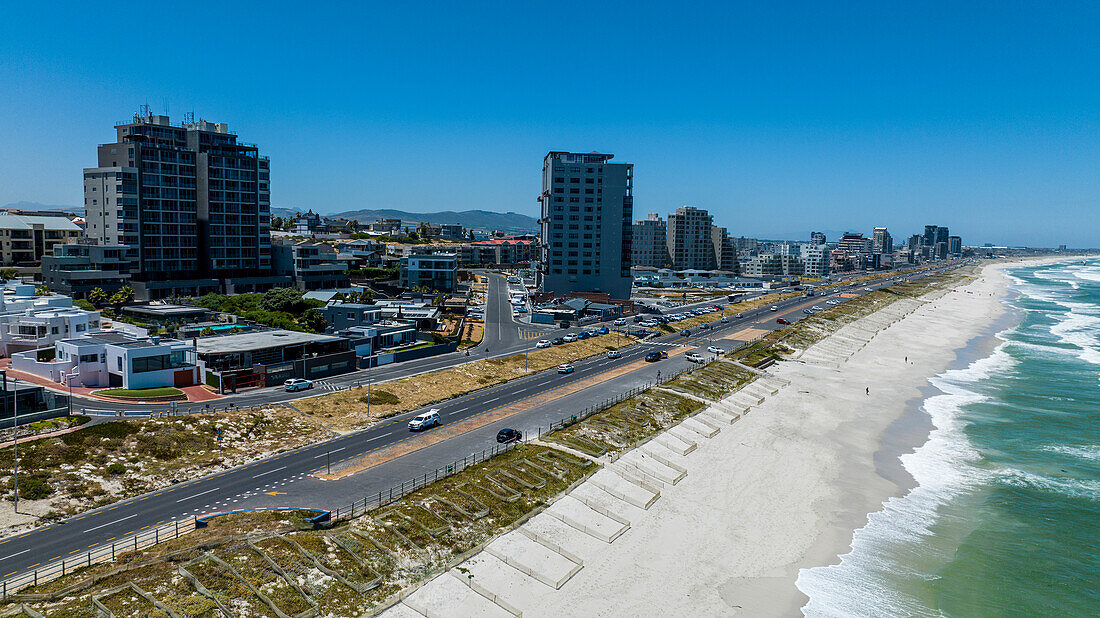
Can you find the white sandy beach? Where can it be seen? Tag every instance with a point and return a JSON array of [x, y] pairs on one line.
[[781, 489]]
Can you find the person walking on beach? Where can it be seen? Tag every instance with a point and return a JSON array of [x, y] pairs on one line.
[[868, 390]]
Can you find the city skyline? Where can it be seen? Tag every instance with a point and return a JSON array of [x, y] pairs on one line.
[[794, 120]]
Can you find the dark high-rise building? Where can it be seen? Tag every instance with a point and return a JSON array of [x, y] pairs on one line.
[[586, 224], [190, 202], [648, 242], [954, 245], [690, 240], [817, 238]]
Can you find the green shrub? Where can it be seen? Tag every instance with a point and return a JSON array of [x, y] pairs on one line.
[[31, 488], [378, 397], [116, 469]]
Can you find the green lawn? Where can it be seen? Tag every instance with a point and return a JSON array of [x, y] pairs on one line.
[[140, 393]]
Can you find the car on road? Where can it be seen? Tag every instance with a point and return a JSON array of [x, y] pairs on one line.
[[620, 322], [726, 320], [704, 325], [566, 368], [638, 319], [808, 311], [582, 335], [715, 350], [297, 384], [509, 435], [692, 357], [557, 340], [592, 332], [420, 422], [773, 308], [739, 316], [614, 354], [543, 343], [521, 309], [603, 330], [685, 333], [653, 357], [570, 338], [782, 321]]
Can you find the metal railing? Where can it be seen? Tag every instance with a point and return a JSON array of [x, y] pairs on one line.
[[96, 555]]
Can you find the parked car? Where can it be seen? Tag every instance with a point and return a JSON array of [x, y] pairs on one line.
[[557, 340], [685, 333], [614, 354], [715, 350], [297, 384], [566, 368], [592, 332], [782, 321], [543, 343], [509, 435], [638, 319], [582, 335], [570, 338], [692, 357], [423, 421], [620, 322], [603, 330], [652, 357]]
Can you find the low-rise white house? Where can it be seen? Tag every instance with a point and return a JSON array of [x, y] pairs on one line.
[[114, 359]]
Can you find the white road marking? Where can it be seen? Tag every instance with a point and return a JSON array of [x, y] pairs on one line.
[[269, 472], [112, 522], [15, 554], [197, 495], [322, 455]]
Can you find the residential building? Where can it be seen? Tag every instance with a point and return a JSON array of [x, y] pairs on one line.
[[649, 243], [586, 230], [954, 245], [270, 357], [29, 322], [881, 242], [815, 260], [773, 266], [376, 339], [498, 251], [725, 254], [341, 316], [310, 265], [27, 238], [111, 359], [689, 239], [432, 271], [746, 246], [78, 268], [854, 242], [817, 238], [191, 201]]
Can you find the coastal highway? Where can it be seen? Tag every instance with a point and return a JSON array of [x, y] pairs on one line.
[[285, 479]]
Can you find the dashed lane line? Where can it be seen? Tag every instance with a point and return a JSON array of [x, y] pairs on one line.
[[268, 472]]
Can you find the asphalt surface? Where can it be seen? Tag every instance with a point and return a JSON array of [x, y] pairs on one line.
[[285, 479]]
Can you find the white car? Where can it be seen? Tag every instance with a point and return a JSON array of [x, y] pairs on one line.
[[423, 421], [565, 368], [570, 338], [715, 350], [543, 343], [297, 384], [692, 357], [773, 308], [620, 322]]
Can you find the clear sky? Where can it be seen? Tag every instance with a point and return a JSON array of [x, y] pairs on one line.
[[779, 118]]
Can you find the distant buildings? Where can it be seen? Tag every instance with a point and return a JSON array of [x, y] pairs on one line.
[[26, 239], [430, 271], [310, 265], [954, 245], [817, 238], [881, 242], [192, 203], [76, 269], [586, 231], [650, 240], [689, 239]]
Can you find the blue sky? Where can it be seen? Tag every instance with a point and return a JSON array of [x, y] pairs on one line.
[[979, 116]]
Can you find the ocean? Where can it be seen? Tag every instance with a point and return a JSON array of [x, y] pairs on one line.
[[1004, 519]]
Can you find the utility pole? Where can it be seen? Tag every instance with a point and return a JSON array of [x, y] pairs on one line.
[[370, 361], [15, 444]]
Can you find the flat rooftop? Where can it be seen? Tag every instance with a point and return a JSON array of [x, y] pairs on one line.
[[247, 342], [167, 310]]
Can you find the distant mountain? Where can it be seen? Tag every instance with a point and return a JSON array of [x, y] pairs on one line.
[[472, 219], [24, 205]]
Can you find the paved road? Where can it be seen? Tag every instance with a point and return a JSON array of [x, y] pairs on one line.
[[285, 480]]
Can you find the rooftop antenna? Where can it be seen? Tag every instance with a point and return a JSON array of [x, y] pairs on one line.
[[145, 110], [189, 117], [166, 106]]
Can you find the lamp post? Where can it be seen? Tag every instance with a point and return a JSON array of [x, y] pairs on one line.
[[370, 362], [15, 443]]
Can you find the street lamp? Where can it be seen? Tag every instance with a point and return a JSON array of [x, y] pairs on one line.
[[15, 443]]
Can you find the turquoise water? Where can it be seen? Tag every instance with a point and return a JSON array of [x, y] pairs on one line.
[[1005, 517]]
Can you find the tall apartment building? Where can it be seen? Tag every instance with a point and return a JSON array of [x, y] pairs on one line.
[[190, 200], [725, 254], [954, 245], [817, 238], [586, 224], [854, 242], [815, 259], [649, 242], [881, 242], [689, 239], [29, 238]]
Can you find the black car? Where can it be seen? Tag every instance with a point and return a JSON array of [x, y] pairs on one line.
[[652, 357], [557, 341], [685, 333], [509, 435], [704, 325]]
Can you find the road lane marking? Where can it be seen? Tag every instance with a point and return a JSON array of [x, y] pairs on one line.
[[197, 495], [111, 523], [269, 472], [324, 454], [15, 554]]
